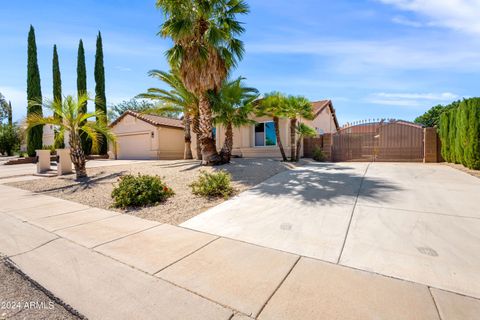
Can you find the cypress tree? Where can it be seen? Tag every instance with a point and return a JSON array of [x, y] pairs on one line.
[[461, 127], [444, 124], [57, 89], [100, 97], [10, 114], [452, 134], [81, 90], [472, 149], [34, 93]]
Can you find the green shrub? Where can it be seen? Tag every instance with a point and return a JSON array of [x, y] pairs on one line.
[[472, 148], [140, 191], [210, 185], [318, 155], [443, 132]]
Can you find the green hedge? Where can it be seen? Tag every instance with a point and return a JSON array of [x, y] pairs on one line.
[[460, 134]]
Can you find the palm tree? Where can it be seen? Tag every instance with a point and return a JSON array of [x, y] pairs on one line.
[[232, 106], [177, 99], [302, 131], [69, 116], [274, 105], [298, 107], [204, 49]]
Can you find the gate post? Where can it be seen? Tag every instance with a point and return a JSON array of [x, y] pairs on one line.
[[430, 149], [327, 146]]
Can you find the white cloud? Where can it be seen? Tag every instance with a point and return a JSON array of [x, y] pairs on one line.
[[463, 15], [401, 54], [411, 99], [407, 22]]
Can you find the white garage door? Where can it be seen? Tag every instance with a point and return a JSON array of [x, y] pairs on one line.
[[134, 147]]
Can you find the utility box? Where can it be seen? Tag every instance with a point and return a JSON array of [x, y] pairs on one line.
[[43, 161], [64, 162]]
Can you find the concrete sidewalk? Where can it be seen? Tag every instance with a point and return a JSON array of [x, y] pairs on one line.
[[112, 266]]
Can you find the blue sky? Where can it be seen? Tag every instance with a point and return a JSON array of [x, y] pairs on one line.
[[372, 58]]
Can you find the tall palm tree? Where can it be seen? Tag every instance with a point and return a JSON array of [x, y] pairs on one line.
[[297, 107], [274, 105], [302, 131], [69, 116], [177, 99], [206, 47], [232, 106]]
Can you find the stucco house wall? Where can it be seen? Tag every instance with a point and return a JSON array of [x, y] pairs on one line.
[[140, 137], [244, 137]]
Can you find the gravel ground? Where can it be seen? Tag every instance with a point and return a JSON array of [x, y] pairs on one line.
[[20, 299], [475, 173], [95, 191]]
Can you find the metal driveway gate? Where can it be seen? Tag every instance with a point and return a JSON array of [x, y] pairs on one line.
[[379, 141]]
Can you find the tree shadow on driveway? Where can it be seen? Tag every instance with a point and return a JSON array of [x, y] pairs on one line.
[[324, 183]]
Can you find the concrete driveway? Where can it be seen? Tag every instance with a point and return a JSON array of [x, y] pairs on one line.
[[415, 222]]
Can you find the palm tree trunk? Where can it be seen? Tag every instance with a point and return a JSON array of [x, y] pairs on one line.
[[196, 130], [226, 152], [187, 154], [77, 155], [279, 141], [209, 150], [299, 146], [293, 125]]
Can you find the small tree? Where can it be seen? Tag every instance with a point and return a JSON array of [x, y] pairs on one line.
[[302, 131], [297, 107], [10, 138], [72, 118], [178, 99], [274, 105], [232, 107]]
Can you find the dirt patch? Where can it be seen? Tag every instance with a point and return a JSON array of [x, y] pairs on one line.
[[96, 190], [475, 173]]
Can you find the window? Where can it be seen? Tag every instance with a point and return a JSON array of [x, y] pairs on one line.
[[265, 134]]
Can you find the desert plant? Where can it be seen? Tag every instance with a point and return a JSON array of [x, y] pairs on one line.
[[232, 106], [177, 99], [205, 48], [298, 106], [274, 105], [140, 191], [302, 131], [71, 118], [318, 155], [211, 185]]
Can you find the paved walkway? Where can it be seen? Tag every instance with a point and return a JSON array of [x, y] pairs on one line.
[[113, 266]]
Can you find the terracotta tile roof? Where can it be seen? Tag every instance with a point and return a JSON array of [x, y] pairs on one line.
[[155, 120], [319, 106]]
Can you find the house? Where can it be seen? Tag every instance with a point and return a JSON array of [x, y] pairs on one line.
[[147, 137], [260, 140]]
